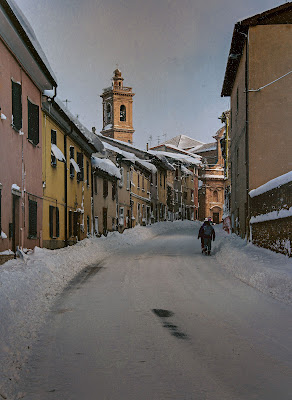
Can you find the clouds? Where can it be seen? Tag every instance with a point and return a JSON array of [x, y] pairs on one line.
[[173, 53]]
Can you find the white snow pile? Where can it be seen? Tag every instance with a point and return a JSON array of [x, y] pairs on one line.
[[29, 286], [268, 272], [272, 184], [106, 165]]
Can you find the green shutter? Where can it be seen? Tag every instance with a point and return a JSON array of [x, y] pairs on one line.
[[16, 105], [51, 222], [57, 222], [32, 226], [33, 122]]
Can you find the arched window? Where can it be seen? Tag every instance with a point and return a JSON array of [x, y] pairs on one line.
[[108, 113], [215, 195], [123, 113]]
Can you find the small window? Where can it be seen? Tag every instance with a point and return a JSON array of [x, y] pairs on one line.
[[32, 219], [33, 122], [122, 113], [105, 188], [237, 101], [96, 225], [138, 180], [88, 225], [143, 182], [16, 106], [80, 175], [108, 113], [121, 216], [70, 223], [164, 181], [53, 141], [54, 222], [72, 170]]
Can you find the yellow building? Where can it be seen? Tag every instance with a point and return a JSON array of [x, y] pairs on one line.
[[140, 195], [106, 176], [67, 149]]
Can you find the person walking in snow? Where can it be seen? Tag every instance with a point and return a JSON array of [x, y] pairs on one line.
[[201, 234], [208, 234]]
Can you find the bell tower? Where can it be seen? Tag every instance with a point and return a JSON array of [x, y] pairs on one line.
[[117, 102]]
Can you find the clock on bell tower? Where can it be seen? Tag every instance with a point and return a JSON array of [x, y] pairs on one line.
[[117, 110]]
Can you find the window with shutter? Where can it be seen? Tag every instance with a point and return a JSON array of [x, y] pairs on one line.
[[53, 141], [80, 175], [32, 219], [51, 220], [57, 222], [72, 170], [16, 106], [54, 222], [88, 225], [105, 188], [33, 122]]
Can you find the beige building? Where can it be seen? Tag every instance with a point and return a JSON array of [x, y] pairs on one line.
[[118, 110], [259, 81], [106, 176], [211, 192]]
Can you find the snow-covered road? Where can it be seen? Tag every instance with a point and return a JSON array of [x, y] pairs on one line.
[[176, 277]]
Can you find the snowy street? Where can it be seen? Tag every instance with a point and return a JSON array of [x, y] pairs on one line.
[[154, 320]]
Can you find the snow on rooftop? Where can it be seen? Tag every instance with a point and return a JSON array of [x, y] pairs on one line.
[[106, 165], [131, 157], [180, 157], [272, 184], [148, 166], [90, 136], [30, 34]]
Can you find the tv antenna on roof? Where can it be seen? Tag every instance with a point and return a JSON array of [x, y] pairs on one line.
[[67, 101]]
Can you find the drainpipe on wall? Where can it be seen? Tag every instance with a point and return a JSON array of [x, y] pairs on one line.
[[247, 210], [66, 191]]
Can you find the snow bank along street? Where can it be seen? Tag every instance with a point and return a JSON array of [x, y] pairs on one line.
[[29, 287]]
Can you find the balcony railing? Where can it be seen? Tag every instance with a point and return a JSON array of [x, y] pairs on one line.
[[122, 89]]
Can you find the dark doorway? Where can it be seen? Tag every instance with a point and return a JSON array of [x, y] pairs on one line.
[[15, 222], [216, 218]]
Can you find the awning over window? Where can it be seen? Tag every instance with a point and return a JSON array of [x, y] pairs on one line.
[[57, 153], [75, 165]]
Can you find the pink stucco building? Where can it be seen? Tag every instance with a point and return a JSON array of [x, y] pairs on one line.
[[24, 75]]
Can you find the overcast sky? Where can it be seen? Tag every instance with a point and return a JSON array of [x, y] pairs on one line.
[[173, 54]]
